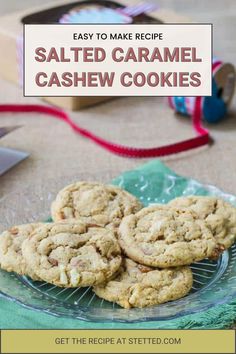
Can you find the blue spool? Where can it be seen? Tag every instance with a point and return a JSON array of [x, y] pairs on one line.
[[214, 108]]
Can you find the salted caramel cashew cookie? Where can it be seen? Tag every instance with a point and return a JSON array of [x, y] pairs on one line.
[[219, 215], [94, 202], [136, 285], [11, 258], [72, 254], [161, 236]]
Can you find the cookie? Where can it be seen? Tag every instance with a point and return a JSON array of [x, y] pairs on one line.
[[219, 215], [139, 286], [161, 236], [72, 254], [95, 203], [11, 258]]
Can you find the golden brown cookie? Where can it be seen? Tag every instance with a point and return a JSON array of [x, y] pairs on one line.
[[136, 285], [72, 254], [161, 236], [219, 215], [11, 258], [94, 203]]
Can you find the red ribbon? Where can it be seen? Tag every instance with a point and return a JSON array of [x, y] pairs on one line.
[[201, 139]]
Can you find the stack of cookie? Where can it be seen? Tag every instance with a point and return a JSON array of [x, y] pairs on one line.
[[101, 236]]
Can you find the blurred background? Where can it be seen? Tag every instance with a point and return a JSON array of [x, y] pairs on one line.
[[144, 122]]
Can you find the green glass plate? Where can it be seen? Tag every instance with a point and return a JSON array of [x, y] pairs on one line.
[[214, 281]]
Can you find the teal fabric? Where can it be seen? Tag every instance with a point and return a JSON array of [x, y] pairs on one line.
[[14, 316]]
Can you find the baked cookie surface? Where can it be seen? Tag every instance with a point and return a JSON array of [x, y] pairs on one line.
[[219, 215], [136, 285], [11, 258], [72, 254], [160, 236], [95, 203]]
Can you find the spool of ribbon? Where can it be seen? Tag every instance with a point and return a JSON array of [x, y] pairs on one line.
[[212, 108]]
